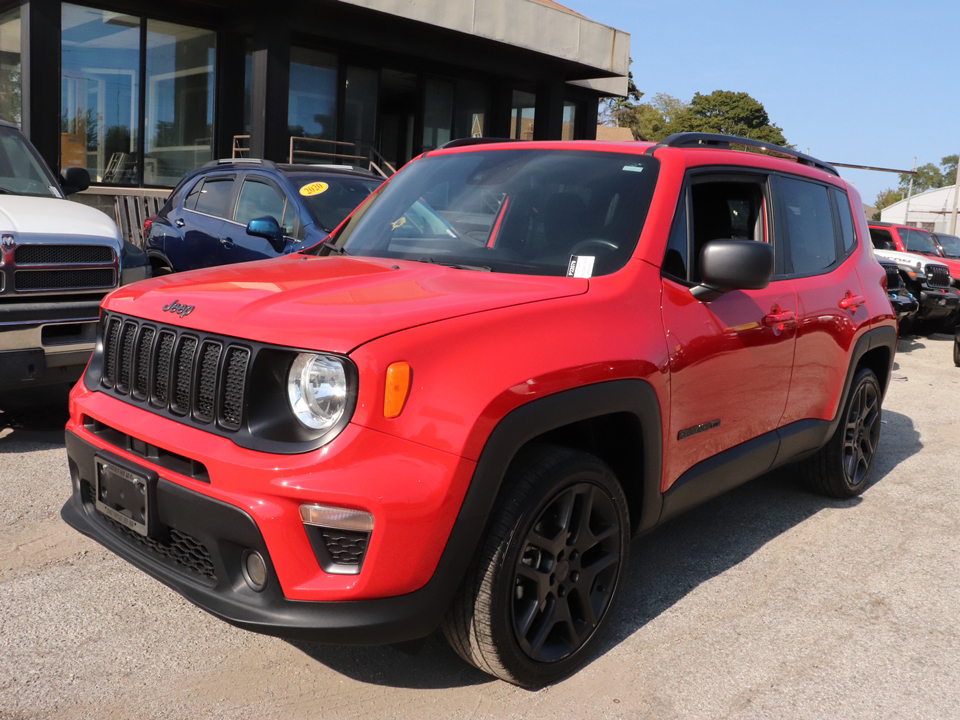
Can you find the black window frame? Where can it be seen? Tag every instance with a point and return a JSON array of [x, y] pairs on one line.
[[716, 174]]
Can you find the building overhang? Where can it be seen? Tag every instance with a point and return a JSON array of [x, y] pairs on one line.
[[597, 56]]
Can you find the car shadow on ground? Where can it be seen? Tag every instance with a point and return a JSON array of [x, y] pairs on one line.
[[666, 565], [31, 419]]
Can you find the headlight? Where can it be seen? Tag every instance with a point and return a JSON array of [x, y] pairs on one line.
[[317, 389]]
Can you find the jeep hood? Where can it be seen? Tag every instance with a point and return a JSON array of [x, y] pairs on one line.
[[46, 216], [328, 303]]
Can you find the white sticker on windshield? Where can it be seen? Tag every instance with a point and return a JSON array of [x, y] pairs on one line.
[[633, 168], [581, 266]]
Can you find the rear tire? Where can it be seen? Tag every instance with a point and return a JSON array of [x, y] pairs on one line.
[[841, 468], [956, 350], [543, 582]]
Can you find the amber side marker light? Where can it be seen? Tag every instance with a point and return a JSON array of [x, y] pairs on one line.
[[397, 389]]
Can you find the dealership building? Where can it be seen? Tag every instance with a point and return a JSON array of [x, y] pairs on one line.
[[142, 91]]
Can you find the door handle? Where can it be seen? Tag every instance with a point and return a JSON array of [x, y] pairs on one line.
[[851, 302], [783, 318], [179, 222], [227, 242]]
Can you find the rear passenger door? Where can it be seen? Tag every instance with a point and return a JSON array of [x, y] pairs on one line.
[[816, 221], [206, 205], [730, 358]]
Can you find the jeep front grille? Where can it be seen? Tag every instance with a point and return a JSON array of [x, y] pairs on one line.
[[938, 276], [176, 371]]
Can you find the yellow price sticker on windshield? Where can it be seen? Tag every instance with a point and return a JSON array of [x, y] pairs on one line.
[[314, 188]]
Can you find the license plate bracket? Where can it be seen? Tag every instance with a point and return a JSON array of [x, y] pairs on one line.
[[127, 495]]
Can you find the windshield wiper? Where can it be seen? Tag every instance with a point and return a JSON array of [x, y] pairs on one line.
[[456, 266], [331, 247]]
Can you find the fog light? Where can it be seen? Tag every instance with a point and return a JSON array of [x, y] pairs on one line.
[[254, 569]]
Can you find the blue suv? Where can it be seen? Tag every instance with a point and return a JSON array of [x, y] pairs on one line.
[[232, 211]]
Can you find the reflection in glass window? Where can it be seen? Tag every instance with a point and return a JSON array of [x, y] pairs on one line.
[[360, 107], [211, 196], [99, 93], [180, 97], [10, 66], [259, 199], [312, 108], [437, 113], [469, 113], [569, 120], [809, 222], [522, 115]]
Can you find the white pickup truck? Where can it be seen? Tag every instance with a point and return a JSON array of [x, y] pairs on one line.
[[58, 259]]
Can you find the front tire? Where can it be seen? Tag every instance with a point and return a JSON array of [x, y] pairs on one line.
[[956, 350], [841, 468], [542, 584]]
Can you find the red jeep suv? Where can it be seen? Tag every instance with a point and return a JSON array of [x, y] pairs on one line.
[[459, 409]]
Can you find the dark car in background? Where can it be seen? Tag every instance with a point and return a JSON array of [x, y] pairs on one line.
[[232, 211], [949, 245]]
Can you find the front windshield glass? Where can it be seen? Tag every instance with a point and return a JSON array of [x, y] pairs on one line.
[[918, 241], [525, 211], [330, 198], [950, 245], [20, 170]]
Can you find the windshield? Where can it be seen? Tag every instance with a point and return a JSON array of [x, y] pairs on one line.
[[21, 170], [918, 241], [330, 198], [526, 211], [950, 245]]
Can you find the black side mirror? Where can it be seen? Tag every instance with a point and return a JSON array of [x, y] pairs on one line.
[[733, 265], [267, 227], [74, 180]]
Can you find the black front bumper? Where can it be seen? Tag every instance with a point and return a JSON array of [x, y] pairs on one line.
[[938, 303], [201, 560]]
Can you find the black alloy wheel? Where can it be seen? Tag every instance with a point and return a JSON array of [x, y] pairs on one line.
[[542, 585]]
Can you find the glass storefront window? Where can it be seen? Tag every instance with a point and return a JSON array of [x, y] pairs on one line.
[[180, 97], [99, 93], [312, 108], [360, 108], [569, 120], [470, 111], [10, 66], [522, 115], [437, 113]]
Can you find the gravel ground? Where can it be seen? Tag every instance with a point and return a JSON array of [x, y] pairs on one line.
[[768, 602]]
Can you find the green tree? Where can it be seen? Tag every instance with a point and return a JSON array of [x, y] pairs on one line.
[[652, 120], [949, 165], [728, 113], [612, 105], [928, 176], [886, 198]]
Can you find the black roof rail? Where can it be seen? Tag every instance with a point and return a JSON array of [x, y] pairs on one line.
[[461, 142], [695, 139], [240, 161]]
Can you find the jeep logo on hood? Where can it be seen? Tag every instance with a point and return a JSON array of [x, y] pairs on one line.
[[176, 307]]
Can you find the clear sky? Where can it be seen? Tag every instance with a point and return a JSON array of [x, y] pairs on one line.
[[866, 83]]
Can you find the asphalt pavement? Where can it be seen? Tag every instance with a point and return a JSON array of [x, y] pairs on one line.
[[769, 602]]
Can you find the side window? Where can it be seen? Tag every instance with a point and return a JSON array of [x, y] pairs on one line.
[[210, 196], [808, 221], [882, 239], [675, 259], [723, 209], [259, 198], [847, 233]]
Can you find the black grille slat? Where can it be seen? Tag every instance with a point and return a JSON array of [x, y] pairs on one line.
[[62, 254], [161, 394], [73, 279], [232, 392], [183, 375], [141, 386], [128, 336], [111, 351], [207, 381]]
